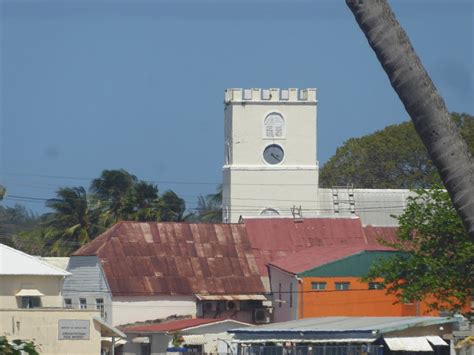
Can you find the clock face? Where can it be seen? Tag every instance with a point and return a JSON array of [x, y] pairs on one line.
[[273, 154]]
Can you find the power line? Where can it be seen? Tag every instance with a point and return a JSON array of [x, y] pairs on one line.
[[90, 179], [178, 182], [383, 203]]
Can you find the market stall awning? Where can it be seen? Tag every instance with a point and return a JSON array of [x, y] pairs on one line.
[[194, 339], [414, 343], [29, 292], [106, 330]]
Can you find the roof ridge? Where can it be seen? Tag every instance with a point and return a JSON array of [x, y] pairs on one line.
[[181, 222], [101, 238]]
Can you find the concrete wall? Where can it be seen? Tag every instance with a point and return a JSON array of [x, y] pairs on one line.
[[50, 286], [158, 344], [357, 302], [132, 309], [284, 309], [373, 206], [41, 325]]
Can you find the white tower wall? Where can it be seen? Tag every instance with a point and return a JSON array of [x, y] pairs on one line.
[[251, 184]]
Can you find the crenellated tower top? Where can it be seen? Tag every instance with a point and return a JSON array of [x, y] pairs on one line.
[[291, 95]]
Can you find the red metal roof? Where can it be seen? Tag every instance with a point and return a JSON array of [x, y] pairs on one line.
[[320, 255], [373, 234], [276, 238], [172, 326], [148, 258]]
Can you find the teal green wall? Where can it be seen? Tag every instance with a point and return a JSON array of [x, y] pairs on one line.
[[355, 265]]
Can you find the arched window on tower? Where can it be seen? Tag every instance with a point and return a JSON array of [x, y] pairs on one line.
[[274, 126], [269, 212]]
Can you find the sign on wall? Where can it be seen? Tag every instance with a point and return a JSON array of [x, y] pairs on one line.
[[73, 329]]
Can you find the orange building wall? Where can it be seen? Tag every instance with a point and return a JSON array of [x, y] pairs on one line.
[[358, 301]]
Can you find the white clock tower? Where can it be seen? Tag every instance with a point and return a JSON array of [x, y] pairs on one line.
[[270, 153]]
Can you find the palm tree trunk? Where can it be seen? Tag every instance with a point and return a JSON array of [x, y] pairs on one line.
[[426, 107]]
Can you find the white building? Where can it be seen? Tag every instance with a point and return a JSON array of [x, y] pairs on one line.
[[271, 166], [27, 282], [31, 308]]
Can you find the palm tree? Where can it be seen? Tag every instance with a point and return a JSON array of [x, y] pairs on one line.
[[72, 223], [427, 109], [144, 203], [172, 207], [209, 207], [113, 190]]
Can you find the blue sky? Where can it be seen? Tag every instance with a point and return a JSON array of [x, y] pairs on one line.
[[92, 85]]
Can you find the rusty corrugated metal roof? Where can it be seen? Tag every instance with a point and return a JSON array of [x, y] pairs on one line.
[[373, 234], [171, 326], [182, 325], [276, 238], [148, 258]]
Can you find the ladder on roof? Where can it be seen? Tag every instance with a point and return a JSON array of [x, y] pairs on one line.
[[343, 200], [297, 213]]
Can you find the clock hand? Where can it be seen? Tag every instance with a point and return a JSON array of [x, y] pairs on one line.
[[277, 157]]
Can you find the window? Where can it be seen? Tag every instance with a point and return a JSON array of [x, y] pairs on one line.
[[274, 126], [269, 212], [318, 285], [375, 286], [68, 303], [82, 303], [30, 302], [342, 286], [99, 304]]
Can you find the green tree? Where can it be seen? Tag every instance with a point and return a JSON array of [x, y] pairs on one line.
[[426, 107], [209, 207], [143, 203], [73, 222], [438, 263], [394, 157], [172, 207], [121, 196], [113, 190], [77, 217], [2, 192], [14, 221], [17, 347]]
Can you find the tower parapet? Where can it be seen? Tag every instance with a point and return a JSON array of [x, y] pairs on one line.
[[291, 95]]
